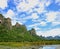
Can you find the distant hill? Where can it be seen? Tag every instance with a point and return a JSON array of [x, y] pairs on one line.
[[50, 37], [18, 32]]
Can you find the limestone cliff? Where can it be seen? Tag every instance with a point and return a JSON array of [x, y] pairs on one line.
[[5, 21]]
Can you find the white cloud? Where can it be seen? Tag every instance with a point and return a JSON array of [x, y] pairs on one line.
[[39, 22], [17, 1], [9, 14], [32, 16], [51, 16], [48, 3], [36, 20], [23, 6], [53, 32], [42, 23], [40, 10], [13, 22], [58, 17], [55, 23], [30, 4], [3, 4], [36, 28], [33, 25], [42, 5], [20, 22]]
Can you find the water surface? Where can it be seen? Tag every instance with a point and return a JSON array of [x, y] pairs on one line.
[[50, 47]]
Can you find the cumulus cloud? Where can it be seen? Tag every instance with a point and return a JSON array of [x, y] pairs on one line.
[[37, 28], [13, 22], [23, 6], [36, 20], [17, 2], [3, 4], [55, 23], [29, 4], [58, 17], [51, 16], [42, 23], [34, 25], [53, 32], [9, 14], [40, 10], [32, 16], [42, 4], [48, 3]]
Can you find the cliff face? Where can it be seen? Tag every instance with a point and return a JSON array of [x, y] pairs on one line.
[[17, 32], [8, 23], [5, 21], [20, 28], [1, 19], [32, 31]]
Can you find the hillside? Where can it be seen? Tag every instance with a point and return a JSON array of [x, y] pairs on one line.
[[17, 32]]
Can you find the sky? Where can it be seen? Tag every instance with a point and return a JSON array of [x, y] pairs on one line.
[[42, 15]]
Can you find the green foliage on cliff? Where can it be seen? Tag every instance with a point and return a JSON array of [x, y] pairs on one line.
[[16, 33]]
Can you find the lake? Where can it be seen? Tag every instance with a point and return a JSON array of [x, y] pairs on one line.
[[32, 47], [50, 47]]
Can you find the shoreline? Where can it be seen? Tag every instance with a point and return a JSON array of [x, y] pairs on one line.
[[18, 44]]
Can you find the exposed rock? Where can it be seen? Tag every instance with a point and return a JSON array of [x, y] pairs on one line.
[[17, 25], [8, 23], [5, 21], [1, 19], [32, 31]]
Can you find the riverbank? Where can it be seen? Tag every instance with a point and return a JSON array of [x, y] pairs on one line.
[[32, 47], [23, 47], [19, 44]]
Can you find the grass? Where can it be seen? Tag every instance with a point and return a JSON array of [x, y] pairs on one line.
[[19, 44]]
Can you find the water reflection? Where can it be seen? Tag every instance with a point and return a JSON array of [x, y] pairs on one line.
[[50, 47]]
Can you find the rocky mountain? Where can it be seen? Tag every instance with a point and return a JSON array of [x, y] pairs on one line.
[[17, 32]]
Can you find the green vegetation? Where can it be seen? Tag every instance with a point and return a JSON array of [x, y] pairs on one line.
[[20, 44], [16, 33], [19, 34]]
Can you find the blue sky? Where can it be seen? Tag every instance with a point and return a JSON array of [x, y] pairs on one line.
[[42, 15]]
